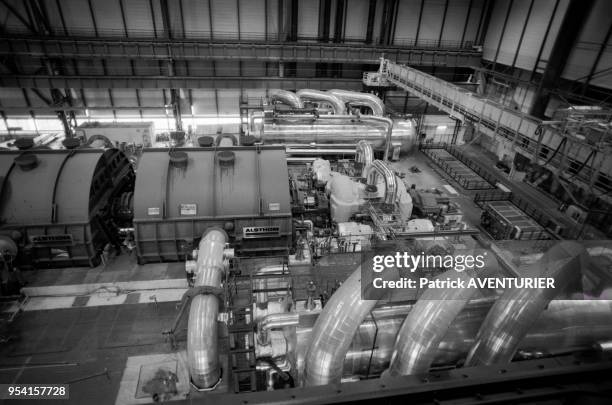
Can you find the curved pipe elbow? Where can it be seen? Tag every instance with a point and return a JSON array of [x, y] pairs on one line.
[[389, 123], [364, 155], [419, 337], [286, 97], [378, 168], [361, 99], [333, 332], [322, 96], [516, 311], [418, 340], [202, 335], [281, 320]]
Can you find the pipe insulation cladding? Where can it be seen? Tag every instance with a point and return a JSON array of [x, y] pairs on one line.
[[334, 330], [378, 168], [515, 312], [202, 334], [335, 102], [364, 156], [356, 98], [430, 319], [288, 98]]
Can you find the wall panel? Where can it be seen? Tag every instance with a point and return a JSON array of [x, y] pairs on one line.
[[308, 19], [197, 19], [356, 20], [108, 17], [512, 33], [252, 19], [584, 53], [138, 18], [77, 17], [535, 31], [494, 32], [225, 19], [455, 21], [431, 22], [229, 100], [204, 102], [472, 28], [407, 22]]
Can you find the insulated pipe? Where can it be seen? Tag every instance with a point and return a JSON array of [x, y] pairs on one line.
[[202, 344], [294, 128], [425, 326], [389, 123], [286, 97], [516, 311], [563, 326], [364, 155], [276, 321], [430, 319], [322, 96], [334, 330], [371, 173], [361, 99]]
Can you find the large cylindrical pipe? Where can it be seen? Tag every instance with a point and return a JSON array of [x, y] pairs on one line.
[[286, 97], [426, 325], [564, 325], [202, 344], [431, 317], [364, 155], [516, 311], [334, 330], [381, 132], [322, 96], [361, 99], [378, 168]]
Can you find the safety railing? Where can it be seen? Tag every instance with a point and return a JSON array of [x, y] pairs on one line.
[[525, 132]]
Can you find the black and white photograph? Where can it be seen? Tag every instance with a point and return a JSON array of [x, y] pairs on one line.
[[304, 202]]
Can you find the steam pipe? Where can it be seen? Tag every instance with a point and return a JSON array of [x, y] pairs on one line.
[[389, 123], [202, 344], [430, 319], [362, 99], [333, 332], [564, 325], [423, 329], [371, 173], [516, 311], [364, 155], [323, 96], [335, 328], [276, 321], [348, 119], [286, 97]]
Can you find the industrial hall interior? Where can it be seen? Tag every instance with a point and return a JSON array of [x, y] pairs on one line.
[[306, 201]]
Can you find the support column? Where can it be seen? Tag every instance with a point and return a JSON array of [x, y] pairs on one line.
[[575, 17]]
